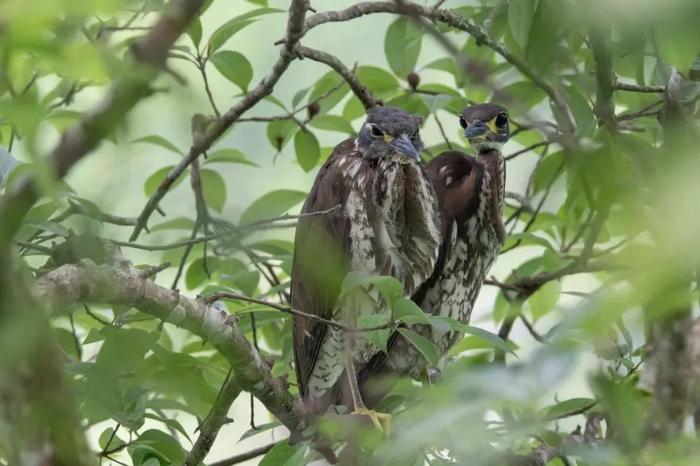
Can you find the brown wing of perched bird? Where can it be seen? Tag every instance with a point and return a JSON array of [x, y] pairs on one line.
[[321, 260]]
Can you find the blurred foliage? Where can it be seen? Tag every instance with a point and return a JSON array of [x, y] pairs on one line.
[[620, 206]]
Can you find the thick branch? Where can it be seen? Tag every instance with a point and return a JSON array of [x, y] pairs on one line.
[[295, 30], [359, 89], [87, 282]]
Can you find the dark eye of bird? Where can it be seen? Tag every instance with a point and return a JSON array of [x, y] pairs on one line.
[[415, 136], [375, 131], [501, 120], [462, 123]]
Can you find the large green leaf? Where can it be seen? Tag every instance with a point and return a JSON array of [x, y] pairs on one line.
[[153, 181], [568, 408], [377, 80], [423, 345], [225, 32], [402, 45], [520, 16], [229, 156], [272, 204], [214, 188], [307, 149], [234, 66], [279, 455], [332, 123], [543, 300], [158, 141], [409, 312]]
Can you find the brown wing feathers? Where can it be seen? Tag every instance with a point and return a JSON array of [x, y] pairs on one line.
[[321, 260]]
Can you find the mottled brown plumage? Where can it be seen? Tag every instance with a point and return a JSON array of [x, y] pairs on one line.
[[387, 224], [470, 191]]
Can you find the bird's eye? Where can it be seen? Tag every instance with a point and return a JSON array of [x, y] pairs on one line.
[[375, 131], [501, 120], [462, 122], [414, 136]]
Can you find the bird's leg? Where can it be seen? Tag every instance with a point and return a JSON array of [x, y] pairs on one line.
[[380, 420]]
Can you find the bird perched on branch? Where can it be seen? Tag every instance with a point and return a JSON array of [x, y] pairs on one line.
[[470, 191], [388, 224]]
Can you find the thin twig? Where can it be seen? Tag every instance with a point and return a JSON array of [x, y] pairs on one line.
[[245, 456], [219, 295]]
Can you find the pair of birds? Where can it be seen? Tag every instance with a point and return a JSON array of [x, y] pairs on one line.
[[436, 228]]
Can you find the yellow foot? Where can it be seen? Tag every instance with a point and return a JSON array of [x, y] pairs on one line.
[[381, 421]]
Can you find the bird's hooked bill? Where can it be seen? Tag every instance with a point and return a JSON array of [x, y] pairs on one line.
[[405, 147], [477, 128]]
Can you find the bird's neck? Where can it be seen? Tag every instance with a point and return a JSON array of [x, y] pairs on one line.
[[495, 164]]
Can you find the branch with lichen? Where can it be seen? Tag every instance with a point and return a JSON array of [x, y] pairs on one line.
[[125, 285]]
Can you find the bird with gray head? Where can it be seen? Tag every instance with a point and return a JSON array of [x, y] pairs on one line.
[[390, 132], [382, 219], [470, 191]]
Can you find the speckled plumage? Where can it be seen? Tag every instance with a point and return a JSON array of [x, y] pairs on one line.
[[388, 224], [471, 192]]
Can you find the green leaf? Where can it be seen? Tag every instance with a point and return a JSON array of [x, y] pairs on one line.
[[546, 170], [524, 95], [197, 274], [214, 188], [409, 312], [491, 338], [423, 345], [234, 66], [153, 181], [158, 141], [543, 300], [179, 223], [279, 455], [377, 80], [377, 337], [195, 31], [520, 16], [402, 45], [229, 156], [259, 429], [568, 408], [279, 132], [271, 205], [225, 32], [332, 123], [388, 286], [124, 348], [323, 87], [307, 149], [108, 435], [164, 444]]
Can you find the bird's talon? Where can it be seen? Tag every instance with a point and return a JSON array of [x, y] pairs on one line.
[[381, 421]]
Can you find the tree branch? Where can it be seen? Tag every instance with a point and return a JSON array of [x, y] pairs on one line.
[[359, 89], [245, 456], [87, 282], [295, 30], [456, 21]]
